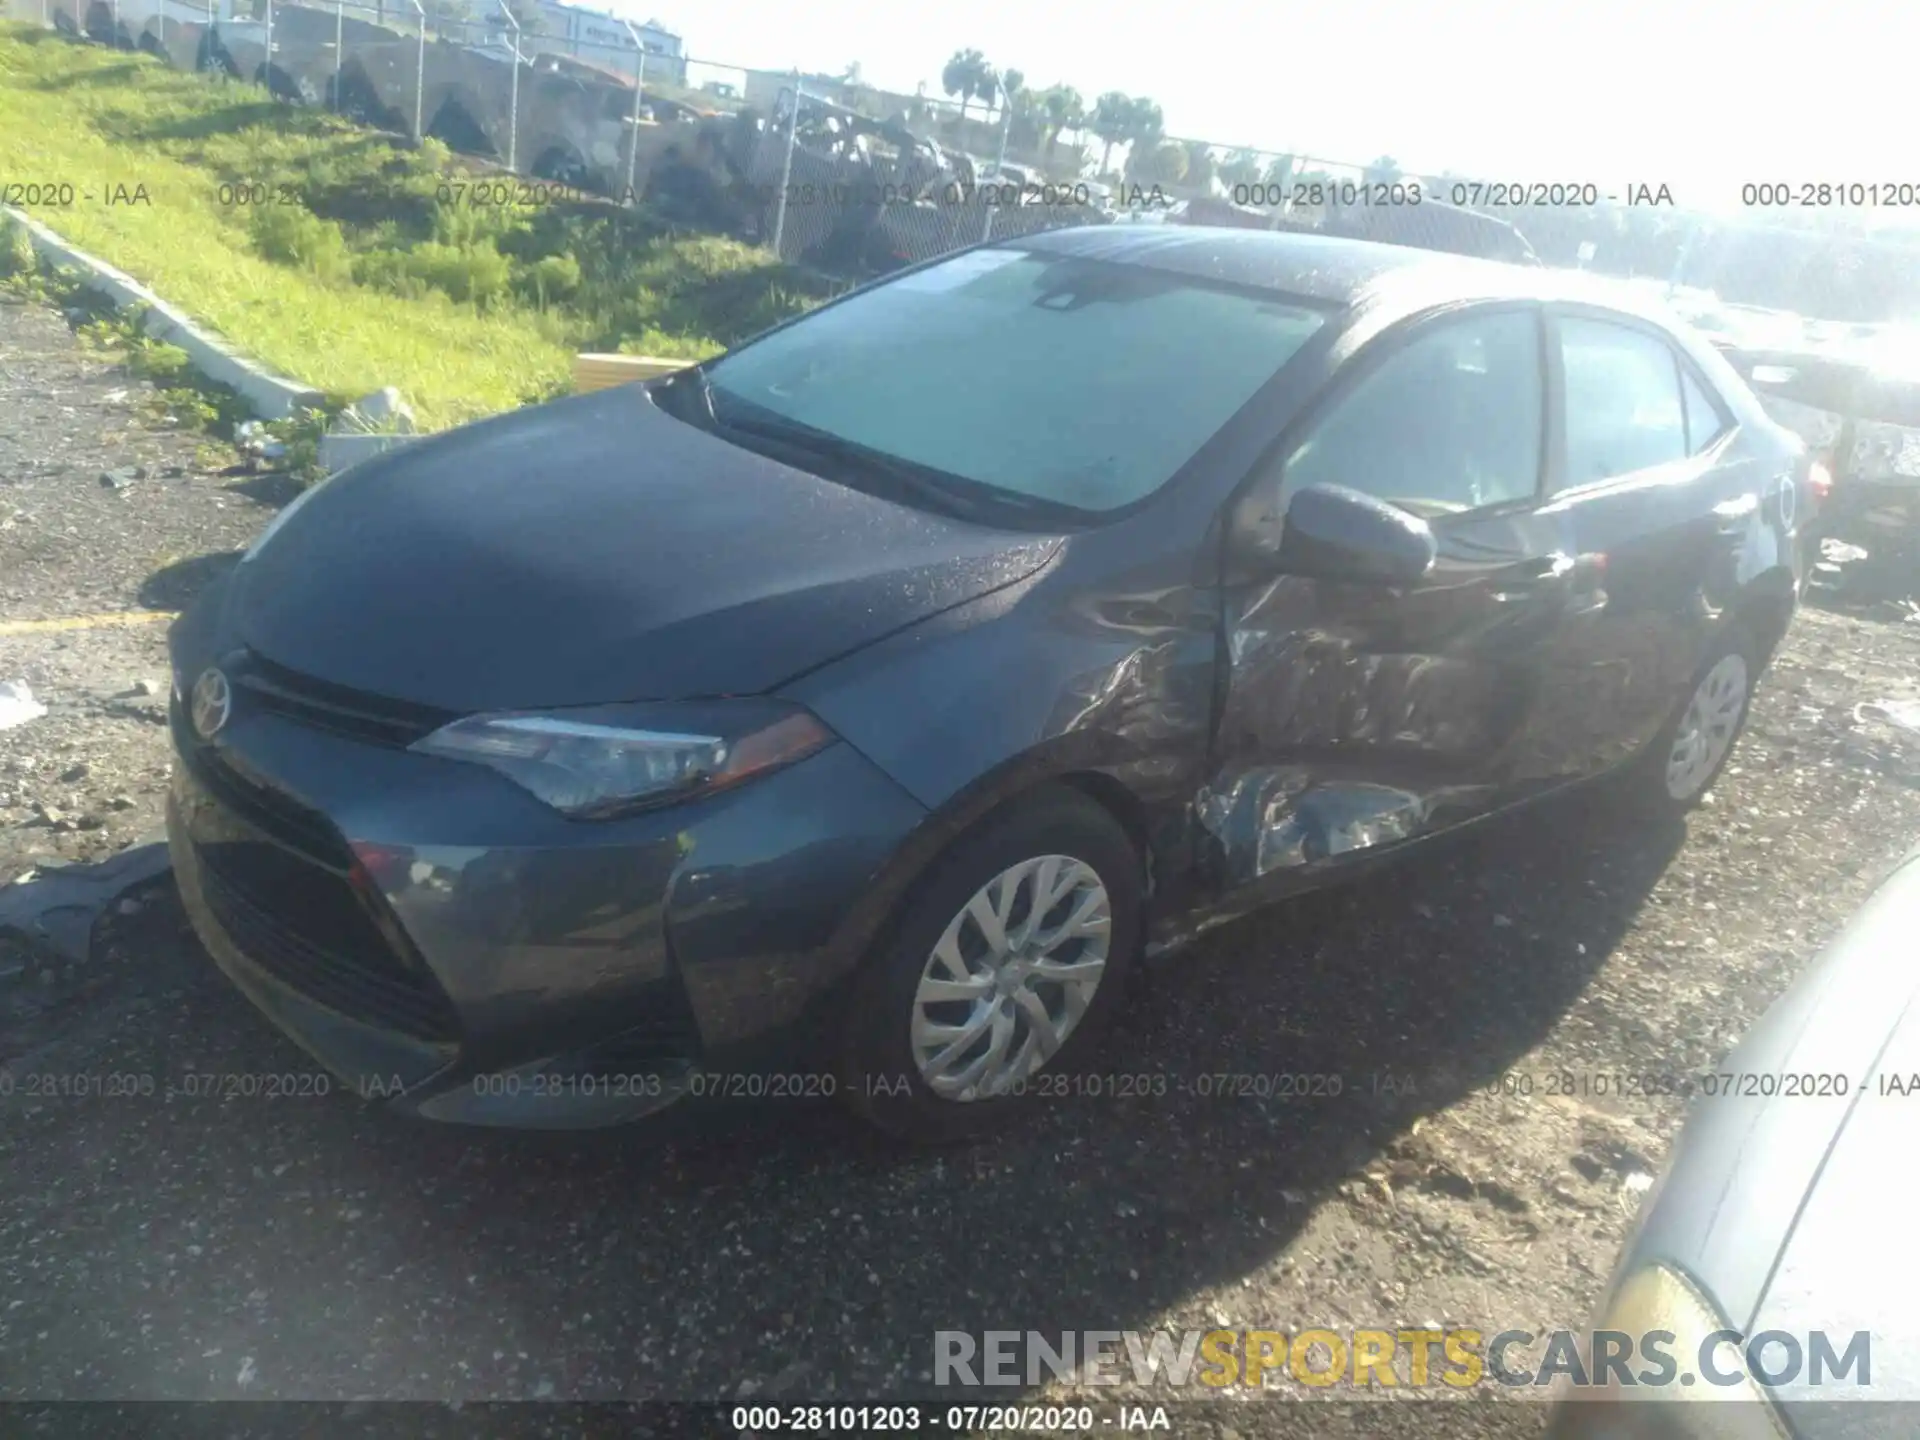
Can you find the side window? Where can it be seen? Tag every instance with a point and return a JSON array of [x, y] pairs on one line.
[[1624, 411], [1705, 423], [1449, 422]]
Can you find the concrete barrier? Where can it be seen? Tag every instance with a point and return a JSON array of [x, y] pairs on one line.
[[337, 452], [273, 397]]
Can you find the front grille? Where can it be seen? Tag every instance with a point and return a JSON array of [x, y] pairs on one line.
[[272, 812], [325, 706], [285, 901], [307, 928]]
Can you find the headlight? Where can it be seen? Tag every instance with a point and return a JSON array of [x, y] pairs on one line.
[[1657, 1297], [596, 764]]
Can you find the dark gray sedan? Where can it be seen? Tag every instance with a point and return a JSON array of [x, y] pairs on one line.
[[846, 715]]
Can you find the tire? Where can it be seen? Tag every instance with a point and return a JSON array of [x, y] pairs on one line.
[[1663, 780], [895, 1033]]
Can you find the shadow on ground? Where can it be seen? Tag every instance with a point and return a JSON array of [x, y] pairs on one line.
[[174, 587], [106, 77], [272, 487]]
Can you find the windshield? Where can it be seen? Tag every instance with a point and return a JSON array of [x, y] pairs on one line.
[[1038, 378]]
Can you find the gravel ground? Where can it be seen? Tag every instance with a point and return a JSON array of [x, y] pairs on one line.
[[182, 1247]]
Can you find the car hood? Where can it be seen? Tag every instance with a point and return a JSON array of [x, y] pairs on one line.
[[592, 550]]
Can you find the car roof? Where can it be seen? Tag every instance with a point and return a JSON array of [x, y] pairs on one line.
[[1336, 271]]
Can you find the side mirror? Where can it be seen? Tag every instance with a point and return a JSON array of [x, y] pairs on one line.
[[1333, 533]]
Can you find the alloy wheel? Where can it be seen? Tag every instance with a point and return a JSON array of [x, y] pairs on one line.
[[1011, 977], [1707, 727]]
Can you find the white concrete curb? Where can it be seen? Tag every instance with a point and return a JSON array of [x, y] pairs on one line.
[[272, 397]]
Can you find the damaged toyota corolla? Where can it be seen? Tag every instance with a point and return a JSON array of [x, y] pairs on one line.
[[851, 712]]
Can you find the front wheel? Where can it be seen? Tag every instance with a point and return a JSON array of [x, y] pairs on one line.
[[1692, 748], [1005, 964]]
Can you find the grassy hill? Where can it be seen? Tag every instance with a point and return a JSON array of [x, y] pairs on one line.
[[344, 258]]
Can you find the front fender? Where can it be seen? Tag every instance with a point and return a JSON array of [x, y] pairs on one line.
[[1035, 682]]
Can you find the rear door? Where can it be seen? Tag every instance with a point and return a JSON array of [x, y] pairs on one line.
[[1651, 492], [1358, 715]]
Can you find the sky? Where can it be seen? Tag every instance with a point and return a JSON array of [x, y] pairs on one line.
[[1699, 95]]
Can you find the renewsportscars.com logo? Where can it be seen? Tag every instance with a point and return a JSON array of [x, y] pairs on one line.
[[1416, 1359]]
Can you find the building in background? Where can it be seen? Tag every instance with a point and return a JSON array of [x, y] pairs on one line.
[[602, 39]]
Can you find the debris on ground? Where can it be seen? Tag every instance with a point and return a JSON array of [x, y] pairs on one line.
[[1901, 714], [1841, 552], [251, 437], [54, 910], [17, 705]]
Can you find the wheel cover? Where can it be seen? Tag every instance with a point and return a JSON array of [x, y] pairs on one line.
[[1707, 727], [1011, 977]]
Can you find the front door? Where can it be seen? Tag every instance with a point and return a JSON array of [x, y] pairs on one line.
[[1356, 715]]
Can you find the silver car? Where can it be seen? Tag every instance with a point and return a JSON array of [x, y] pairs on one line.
[[1781, 1223]]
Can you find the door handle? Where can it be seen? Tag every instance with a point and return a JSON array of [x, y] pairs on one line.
[[1559, 572], [1525, 581]]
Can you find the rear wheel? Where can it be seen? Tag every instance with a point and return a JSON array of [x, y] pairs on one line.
[[1005, 964], [1692, 749]]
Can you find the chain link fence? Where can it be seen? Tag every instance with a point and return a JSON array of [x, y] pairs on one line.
[[851, 179], [837, 177]]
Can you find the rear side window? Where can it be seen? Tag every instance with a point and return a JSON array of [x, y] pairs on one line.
[[1624, 411], [1705, 423]]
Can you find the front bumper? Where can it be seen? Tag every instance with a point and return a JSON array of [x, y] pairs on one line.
[[441, 940]]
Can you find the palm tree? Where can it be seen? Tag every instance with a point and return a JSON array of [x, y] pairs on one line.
[[1165, 163], [1199, 170], [1064, 110], [1147, 128], [1111, 122], [962, 77], [1029, 121], [1383, 171], [986, 87], [1242, 167]]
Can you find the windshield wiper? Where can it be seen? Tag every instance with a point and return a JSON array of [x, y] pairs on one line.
[[691, 402], [822, 444]]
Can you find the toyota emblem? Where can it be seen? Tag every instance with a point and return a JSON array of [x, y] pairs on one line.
[[212, 703]]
